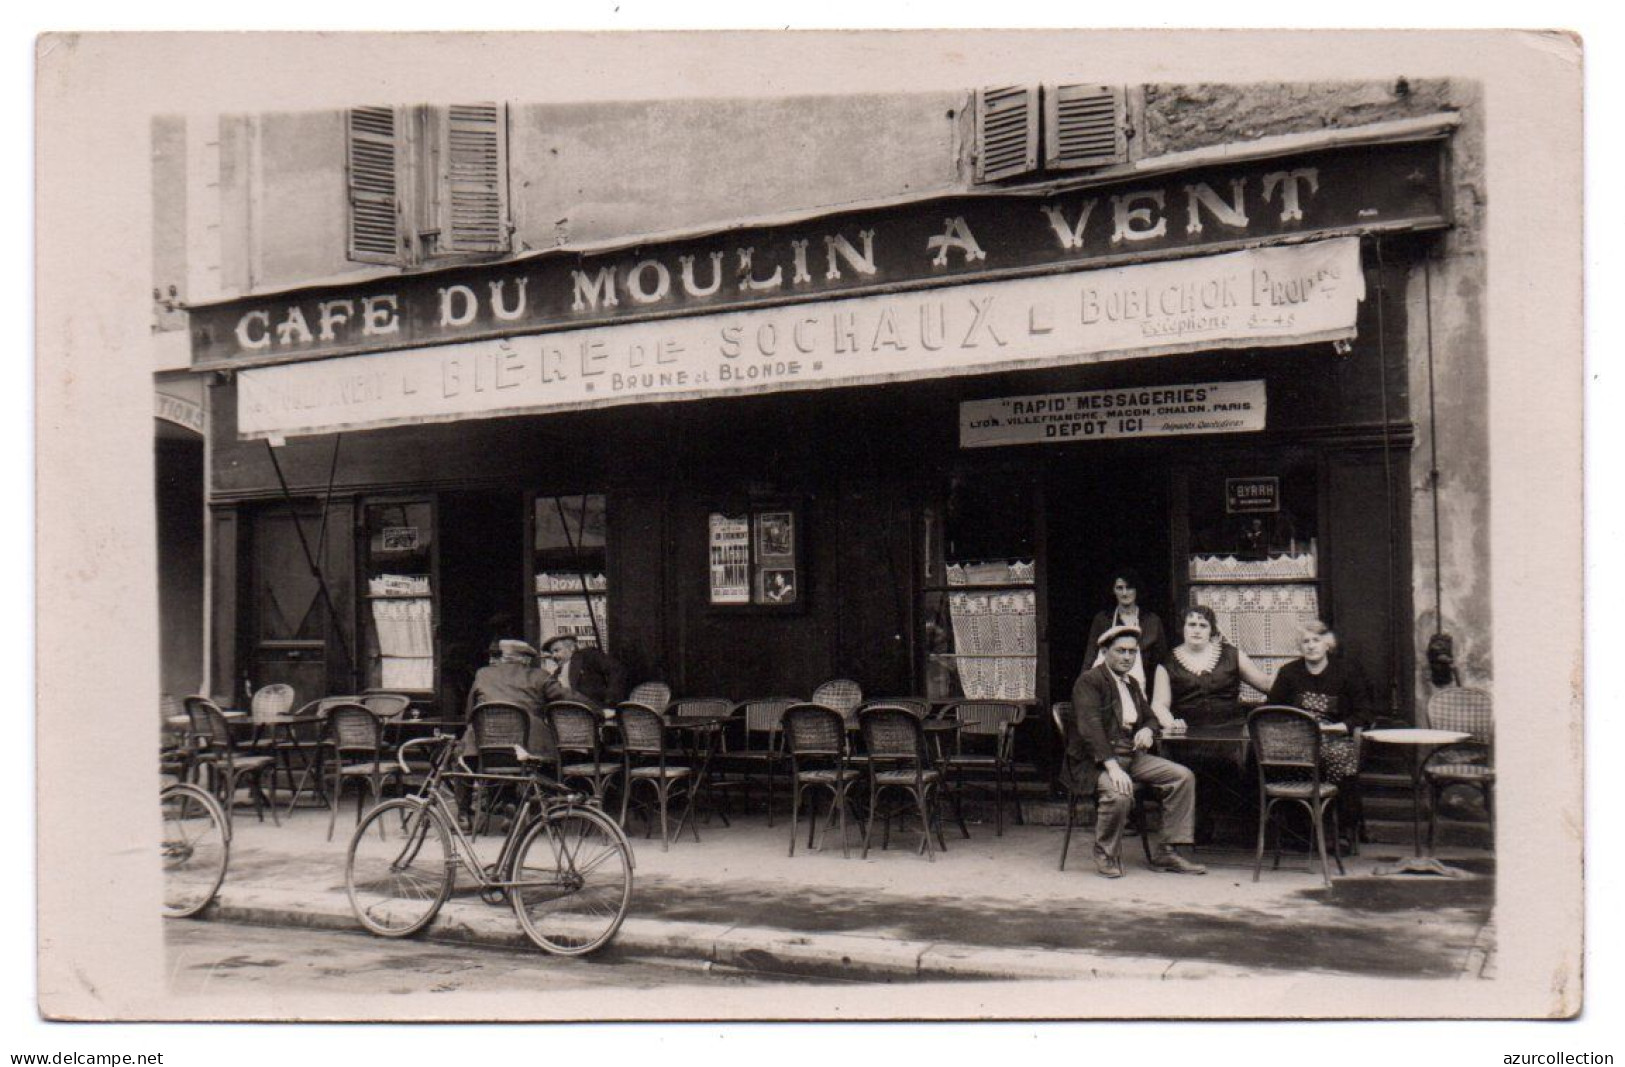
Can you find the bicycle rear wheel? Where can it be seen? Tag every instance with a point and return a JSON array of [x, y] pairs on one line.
[[572, 881], [399, 871], [196, 847]]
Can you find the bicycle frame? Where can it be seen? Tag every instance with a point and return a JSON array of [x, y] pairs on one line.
[[534, 803]]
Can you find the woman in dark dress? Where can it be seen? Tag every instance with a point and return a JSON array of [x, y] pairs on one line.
[[1128, 612], [1202, 677], [1333, 690]]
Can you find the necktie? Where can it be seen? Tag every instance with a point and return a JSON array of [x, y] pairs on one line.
[[1139, 698]]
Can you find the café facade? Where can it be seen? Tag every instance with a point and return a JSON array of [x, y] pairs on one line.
[[906, 442]]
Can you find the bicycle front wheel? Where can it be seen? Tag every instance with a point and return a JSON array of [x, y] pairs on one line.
[[399, 870], [572, 881], [196, 847]]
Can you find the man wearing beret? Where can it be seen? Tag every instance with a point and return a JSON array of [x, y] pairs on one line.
[[1108, 743]]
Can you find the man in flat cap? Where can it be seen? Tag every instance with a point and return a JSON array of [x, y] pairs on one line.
[[1108, 743], [586, 669]]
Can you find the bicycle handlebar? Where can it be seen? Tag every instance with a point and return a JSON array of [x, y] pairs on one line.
[[433, 739]]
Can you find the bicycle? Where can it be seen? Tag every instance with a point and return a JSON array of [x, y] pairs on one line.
[[564, 865], [195, 844]]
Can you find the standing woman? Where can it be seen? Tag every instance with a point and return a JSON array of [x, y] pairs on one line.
[[1333, 690], [1200, 682], [1128, 612]]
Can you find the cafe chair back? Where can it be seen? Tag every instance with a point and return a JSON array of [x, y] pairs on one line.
[[268, 710], [387, 706], [985, 744], [356, 753], [841, 695], [900, 761], [1470, 763], [216, 753], [756, 750], [576, 736], [815, 736], [1286, 751], [1144, 796], [656, 696], [647, 751]]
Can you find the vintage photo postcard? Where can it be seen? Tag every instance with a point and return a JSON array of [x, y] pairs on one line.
[[835, 525]]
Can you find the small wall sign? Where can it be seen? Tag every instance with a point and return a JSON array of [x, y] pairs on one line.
[[1248, 496]]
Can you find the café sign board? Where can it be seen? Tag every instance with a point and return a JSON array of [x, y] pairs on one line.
[[1107, 414], [1287, 295], [1246, 496], [927, 244]]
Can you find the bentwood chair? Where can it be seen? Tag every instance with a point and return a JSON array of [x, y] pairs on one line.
[[1470, 763], [576, 738], [506, 736], [900, 760], [656, 696], [1286, 750], [356, 751], [757, 749], [647, 752], [816, 737], [985, 742], [269, 710], [216, 753], [841, 695], [1061, 712]]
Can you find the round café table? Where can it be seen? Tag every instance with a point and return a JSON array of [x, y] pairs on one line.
[[1422, 743]]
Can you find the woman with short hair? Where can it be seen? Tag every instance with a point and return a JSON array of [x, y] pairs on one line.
[[1333, 689], [1127, 611], [1202, 676]]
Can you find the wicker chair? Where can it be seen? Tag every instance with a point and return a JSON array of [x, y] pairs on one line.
[[505, 737], [1470, 763], [900, 760], [355, 746], [1144, 796], [269, 711], [840, 695], [758, 748], [576, 738], [656, 696], [1286, 750], [387, 706], [985, 741], [217, 754], [647, 754], [816, 738]]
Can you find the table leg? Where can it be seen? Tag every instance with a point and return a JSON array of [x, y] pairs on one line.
[[1421, 862]]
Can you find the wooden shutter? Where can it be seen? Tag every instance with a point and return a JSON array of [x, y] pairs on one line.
[[475, 194], [1006, 132], [374, 184], [1085, 125]]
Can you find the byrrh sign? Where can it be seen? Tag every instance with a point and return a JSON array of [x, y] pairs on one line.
[[965, 239]]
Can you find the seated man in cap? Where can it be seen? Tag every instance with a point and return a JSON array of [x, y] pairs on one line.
[[512, 677], [1108, 742], [587, 670]]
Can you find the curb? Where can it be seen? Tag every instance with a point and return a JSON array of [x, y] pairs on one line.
[[852, 957]]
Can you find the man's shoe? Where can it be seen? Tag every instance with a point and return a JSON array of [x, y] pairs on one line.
[[1171, 862], [1107, 867]]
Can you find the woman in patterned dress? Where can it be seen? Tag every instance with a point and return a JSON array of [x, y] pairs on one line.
[[1333, 690]]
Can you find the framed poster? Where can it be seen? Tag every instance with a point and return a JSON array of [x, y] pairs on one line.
[[755, 559], [730, 559]]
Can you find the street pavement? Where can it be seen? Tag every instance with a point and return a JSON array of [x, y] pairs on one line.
[[990, 908]]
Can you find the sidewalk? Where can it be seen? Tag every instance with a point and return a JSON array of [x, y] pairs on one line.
[[989, 908]]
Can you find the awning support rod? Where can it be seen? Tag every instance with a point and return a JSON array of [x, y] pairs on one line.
[[304, 544]]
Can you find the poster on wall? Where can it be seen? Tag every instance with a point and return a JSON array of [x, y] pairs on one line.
[[730, 559], [775, 537]]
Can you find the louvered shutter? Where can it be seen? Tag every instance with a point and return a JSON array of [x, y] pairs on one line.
[[375, 201], [1085, 126], [476, 179], [1006, 132]]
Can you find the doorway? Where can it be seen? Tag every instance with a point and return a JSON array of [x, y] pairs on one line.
[[482, 578], [1103, 515]]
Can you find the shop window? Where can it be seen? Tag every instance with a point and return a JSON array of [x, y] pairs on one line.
[[1078, 126], [572, 576], [979, 612], [400, 596], [755, 558], [427, 183], [1255, 559]]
